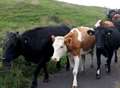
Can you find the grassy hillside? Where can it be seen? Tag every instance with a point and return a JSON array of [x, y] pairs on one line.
[[21, 16], [25, 15]]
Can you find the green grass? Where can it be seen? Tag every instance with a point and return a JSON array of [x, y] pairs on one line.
[[21, 16]]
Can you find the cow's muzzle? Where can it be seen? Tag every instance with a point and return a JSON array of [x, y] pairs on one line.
[[54, 60]]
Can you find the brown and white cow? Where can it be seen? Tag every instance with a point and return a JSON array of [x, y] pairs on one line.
[[76, 43]]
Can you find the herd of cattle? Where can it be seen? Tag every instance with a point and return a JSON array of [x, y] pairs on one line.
[[43, 44]]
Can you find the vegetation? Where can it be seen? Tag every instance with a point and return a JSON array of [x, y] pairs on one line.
[[16, 15]]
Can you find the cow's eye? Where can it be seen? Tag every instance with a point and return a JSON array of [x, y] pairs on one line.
[[61, 47]]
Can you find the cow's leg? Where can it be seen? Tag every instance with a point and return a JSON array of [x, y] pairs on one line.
[[71, 61], [116, 58], [98, 72], [67, 64], [83, 63], [108, 69], [46, 75], [75, 70], [92, 54], [37, 70]]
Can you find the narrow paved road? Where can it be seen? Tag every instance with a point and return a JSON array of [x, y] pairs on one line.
[[63, 79]]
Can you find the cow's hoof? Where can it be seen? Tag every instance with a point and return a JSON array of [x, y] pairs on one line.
[[82, 72], [107, 69], [34, 84], [46, 80], [67, 69], [98, 76], [74, 86], [105, 65], [116, 61], [91, 66]]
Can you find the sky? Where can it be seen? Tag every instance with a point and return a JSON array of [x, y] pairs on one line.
[[113, 4]]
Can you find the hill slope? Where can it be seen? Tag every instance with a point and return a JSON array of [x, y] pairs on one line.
[[14, 15]]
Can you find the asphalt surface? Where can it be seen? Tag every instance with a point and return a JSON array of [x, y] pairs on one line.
[[63, 79]]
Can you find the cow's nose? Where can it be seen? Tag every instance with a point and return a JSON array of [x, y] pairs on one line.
[[54, 60]]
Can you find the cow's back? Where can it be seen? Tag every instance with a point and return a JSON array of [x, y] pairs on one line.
[[115, 39], [37, 43], [78, 40], [87, 40]]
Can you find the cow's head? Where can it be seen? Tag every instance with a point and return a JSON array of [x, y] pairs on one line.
[[10, 46], [102, 36], [111, 13], [59, 48], [116, 20]]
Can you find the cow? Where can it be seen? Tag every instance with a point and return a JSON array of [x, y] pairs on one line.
[[76, 43], [111, 13], [35, 45], [116, 21], [107, 41], [114, 16]]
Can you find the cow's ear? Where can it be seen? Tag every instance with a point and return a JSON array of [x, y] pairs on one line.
[[91, 32], [52, 37]]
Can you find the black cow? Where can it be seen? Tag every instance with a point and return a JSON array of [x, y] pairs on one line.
[[107, 40], [111, 13], [113, 16], [35, 45]]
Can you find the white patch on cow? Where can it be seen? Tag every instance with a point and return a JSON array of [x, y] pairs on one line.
[[79, 33], [98, 71], [75, 70], [97, 23], [87, 28], [91, 29], [59, 48], [83, 27]]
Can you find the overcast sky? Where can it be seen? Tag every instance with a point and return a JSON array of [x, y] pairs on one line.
[[103, 3]]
